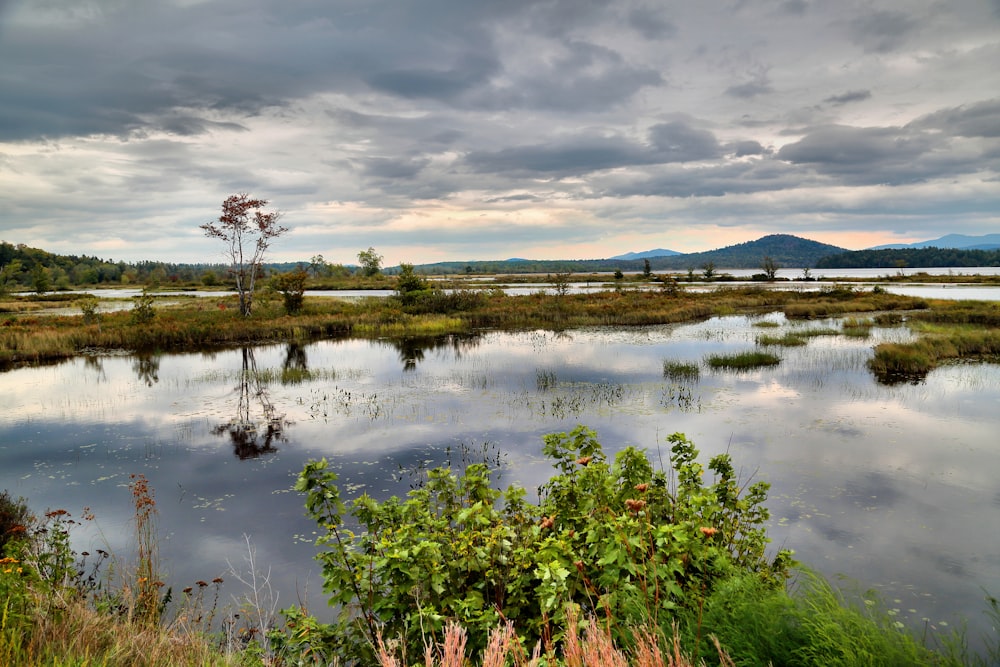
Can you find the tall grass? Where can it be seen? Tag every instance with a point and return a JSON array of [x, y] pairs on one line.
[[593, 647], [56, 610], [812, 625]]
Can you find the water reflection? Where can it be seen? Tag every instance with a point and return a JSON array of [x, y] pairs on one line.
[[147, 367], [412, 349], [295, 368], [252, 432]]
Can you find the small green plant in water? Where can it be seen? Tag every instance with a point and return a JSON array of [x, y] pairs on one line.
[[681, 371], [743, 360]]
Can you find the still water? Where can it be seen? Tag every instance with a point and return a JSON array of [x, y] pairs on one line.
[[892, 487]]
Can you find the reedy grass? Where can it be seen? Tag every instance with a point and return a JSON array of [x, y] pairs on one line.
[[681, 371], [594, 647], [857, 327], [788, 339], [947, 332], [811, 624], [742, 360]]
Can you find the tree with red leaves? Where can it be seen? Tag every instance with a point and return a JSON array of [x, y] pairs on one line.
[[247, 231]]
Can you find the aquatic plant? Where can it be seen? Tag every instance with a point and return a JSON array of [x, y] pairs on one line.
[[742, 360]]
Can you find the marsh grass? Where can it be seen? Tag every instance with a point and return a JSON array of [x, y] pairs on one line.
[[215, 322], [681, 371], [947, 332], [854, 327], [748, 360], [788, 339]]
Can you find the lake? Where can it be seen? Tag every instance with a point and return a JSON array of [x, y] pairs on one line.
[[893, 487]]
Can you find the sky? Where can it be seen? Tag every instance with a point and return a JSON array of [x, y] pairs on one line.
[[459, 130]]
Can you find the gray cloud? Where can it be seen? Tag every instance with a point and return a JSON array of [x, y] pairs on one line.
[[881, 31], [679, 142], [849, 96], [981, 119], [746, 148], [749, 90], [862, 155], [123, 125], [580, 155], [651, 24]]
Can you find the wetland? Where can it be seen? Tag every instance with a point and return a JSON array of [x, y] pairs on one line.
[[879, 484]]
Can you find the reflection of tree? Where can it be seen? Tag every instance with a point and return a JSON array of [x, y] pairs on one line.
[[252, 438], [412, 348], [295, 369], [147, 367], [96, 364]]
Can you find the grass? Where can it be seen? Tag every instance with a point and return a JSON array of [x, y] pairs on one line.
[[945, 333], [681, 371], [795, 337], [788, 339], [742, 360], [854, 327]]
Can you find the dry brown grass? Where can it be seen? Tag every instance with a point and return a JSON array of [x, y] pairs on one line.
[[593, 648], [71, 630]]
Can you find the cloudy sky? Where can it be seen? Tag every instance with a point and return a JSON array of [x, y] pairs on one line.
[[484, 129]]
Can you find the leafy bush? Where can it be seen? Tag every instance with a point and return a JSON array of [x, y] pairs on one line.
[[292, 287], [620, 539]]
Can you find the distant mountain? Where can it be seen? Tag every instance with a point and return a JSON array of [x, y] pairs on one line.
[[647, 254], [960, 241], [786, 250]]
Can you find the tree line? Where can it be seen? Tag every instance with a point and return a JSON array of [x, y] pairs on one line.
[[901, 258], [23, 267]]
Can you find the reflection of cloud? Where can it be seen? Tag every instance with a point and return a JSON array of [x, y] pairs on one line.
[[875, 489], [835, 533]]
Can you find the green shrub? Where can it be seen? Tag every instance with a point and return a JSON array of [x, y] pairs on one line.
[[142, 308], [619, 540], [292, 287]]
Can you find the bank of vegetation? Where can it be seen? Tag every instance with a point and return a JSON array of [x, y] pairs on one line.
[[30, 332], [620, 562], [150, 323]]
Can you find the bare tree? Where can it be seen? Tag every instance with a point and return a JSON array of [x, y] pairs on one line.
[[770, 267], [247, 231]]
